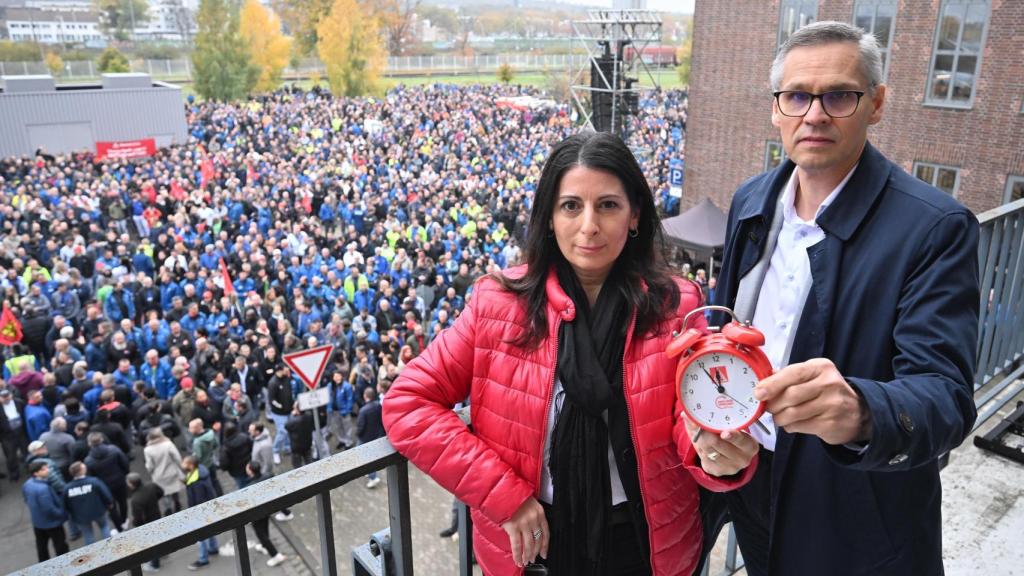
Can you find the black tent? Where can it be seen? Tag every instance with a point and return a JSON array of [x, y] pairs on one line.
[[701, 228]]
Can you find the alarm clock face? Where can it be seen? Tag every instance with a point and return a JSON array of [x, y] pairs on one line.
[[717, 389]]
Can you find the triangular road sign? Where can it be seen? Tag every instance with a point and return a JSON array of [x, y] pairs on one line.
[[309, 365]]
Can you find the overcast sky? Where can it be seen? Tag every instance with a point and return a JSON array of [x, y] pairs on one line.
[[683, 6]]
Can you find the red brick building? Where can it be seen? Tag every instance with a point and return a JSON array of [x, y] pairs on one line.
[[955, 106]]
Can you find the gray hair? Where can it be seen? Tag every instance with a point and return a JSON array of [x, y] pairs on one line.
[[830, 32], [58, 424]]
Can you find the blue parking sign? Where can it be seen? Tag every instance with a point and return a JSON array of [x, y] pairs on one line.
[[675, 177]]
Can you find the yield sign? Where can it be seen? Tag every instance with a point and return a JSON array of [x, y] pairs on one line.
[[309, 365]]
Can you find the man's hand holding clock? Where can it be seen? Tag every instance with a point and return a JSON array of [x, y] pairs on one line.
[[812, 397]]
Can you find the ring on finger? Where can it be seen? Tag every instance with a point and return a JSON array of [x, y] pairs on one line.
[[713, 455], [537, 534]]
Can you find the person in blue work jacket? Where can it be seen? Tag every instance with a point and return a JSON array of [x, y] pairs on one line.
[[864, 280], [46, 510]]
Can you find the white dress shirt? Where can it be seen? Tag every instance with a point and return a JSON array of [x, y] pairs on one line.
[[786, 282]]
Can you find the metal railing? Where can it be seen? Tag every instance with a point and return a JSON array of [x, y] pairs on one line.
[[1000, 351], [1001, 323], [232, 512]]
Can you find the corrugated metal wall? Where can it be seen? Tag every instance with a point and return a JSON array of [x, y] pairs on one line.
[[111, 115]]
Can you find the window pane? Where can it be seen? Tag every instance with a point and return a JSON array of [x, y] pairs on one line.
[[926, 173], [883, 26], [774, 155], [946, 181], [963, 83], [1018, 191], [950, 31], [975, 23], [863, 19], [941, 76]]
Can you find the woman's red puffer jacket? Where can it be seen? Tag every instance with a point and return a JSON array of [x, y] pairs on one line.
[[497, 466]]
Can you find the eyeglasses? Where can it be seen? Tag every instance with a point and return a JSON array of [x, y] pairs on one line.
[[837, 104]]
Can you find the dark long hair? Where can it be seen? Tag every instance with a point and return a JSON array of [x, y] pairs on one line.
[[642, 258]]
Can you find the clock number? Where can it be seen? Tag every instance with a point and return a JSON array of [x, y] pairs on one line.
[[693, 377], [726, 418], [744, 370], [715, 357], [701, 364], [690, 391], [698, 405]]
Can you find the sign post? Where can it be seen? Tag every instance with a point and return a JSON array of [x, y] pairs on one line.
[[675, 179], [309, 366]]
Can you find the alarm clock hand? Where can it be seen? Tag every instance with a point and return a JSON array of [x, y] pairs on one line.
[[722, 390], [717, 384]]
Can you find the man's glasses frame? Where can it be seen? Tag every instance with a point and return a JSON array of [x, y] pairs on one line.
[[825, 97]]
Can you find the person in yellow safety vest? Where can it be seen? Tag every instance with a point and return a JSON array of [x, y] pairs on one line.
[[18, 364], [32, 269]]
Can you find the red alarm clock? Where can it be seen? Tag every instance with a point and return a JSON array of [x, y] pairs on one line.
[[718, 371]]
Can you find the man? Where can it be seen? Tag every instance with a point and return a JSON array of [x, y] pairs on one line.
[[46, 510], [87, 499], [279, 396], [261, 526], [12, 432], [199, 489], [205, 447], [248, 378], [58, 443], [145, 501], [864, 281], [370, 426], [110, 465], [236, 453], [156, 373], [37, 417]]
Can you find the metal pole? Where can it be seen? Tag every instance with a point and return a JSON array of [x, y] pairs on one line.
[[400, 517], [328, 556], [319, 437]]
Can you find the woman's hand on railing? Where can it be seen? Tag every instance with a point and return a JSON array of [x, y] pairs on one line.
[[528, 533]]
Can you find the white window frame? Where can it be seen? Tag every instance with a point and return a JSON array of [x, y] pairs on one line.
[[887, 48], [811, 15], [936, 168], [958, 51], [1011, 179]]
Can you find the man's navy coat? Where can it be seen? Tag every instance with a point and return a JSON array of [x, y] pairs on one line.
[[894, 304]]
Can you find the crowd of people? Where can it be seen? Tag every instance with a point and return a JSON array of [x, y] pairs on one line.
[[155, 297]]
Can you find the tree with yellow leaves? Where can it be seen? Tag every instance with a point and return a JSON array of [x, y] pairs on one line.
[[270, 49], [350, 46]]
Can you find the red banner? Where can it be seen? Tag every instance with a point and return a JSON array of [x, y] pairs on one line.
[[128, 149], [10, 328]]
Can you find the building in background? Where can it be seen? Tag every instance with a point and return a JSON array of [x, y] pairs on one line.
[[35, 113], [954, 110], [52, 26]]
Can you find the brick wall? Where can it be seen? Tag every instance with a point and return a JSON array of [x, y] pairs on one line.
[[730, 102]]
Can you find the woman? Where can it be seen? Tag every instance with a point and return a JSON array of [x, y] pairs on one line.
[[163, 462], [572, 397]]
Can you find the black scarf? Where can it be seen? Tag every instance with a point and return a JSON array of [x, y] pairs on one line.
[[590, 369]]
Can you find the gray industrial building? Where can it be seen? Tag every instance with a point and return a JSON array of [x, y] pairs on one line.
[[35, 112]]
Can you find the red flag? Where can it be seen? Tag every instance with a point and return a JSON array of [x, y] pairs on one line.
[[10, 328], [229, 287], [206, 172]]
